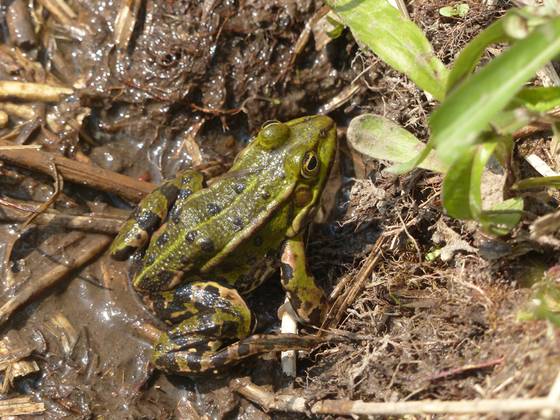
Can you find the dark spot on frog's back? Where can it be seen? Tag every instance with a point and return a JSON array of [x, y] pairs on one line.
[[265, 194], [169, 191], [237, 223], [175, 214], [238, 187], [191, 235], [258, 240], [184, 193], [150, 259], [213, 209], [162, 239], [148, 220], [166, 276], [206, 244]]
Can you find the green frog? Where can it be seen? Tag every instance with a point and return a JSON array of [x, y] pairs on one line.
[[208, 247]]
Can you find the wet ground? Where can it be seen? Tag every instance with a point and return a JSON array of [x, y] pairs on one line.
[[184, 83]]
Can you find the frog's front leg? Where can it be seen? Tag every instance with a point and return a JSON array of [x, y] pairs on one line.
[[306, 298], [209, 318], [152, 211]]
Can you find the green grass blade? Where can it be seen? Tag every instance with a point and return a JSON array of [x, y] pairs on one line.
[[468, 110], [461, 186], [539, 99], [537, 182], [469, 56], [396, 40]]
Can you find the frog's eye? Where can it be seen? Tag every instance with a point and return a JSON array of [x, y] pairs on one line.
[[310, 165], [274, 134]]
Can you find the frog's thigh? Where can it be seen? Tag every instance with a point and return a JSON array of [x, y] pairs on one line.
[[306, 298], [210, 316], [151, 211], [207, 316]]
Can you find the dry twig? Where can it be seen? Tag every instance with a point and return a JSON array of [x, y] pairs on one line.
[[18, 212], [60, 10], [125, 22], [342, 302], [290, 403], [33, 91], [25, 112], [79, 173], [20, 406]]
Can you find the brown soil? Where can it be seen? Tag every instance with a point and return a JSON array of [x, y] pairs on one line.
[[195, 81]]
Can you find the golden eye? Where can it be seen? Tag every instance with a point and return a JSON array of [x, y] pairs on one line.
[[273, 134], [310, 165]]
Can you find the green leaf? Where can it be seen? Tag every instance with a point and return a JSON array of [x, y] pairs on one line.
[[504, 150], [381, 138], [537, 182], [503, 217], [468, 110], [338, 28], [467, 60], [410, 164], [459, 10], [507, 122], [545, 302], [538, 99], [396, 40], [461, 186]]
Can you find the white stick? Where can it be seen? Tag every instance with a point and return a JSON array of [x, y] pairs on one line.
[[289, 325]]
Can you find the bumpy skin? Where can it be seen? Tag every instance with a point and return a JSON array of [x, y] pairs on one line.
[[218, 243]]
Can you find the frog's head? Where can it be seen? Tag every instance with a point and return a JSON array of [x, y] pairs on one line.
[[307, 148]]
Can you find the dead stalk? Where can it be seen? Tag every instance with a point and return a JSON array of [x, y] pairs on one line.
[[290, 403], [25, 112], [339, 307], [4, 119], [79, 173], [60, 10], [58, 186], [553, 396], [125, 22], [33, 91], [94, 222], [20, 406]]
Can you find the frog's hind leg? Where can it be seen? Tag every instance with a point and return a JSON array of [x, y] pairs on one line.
[[151, 212], [212, 328]]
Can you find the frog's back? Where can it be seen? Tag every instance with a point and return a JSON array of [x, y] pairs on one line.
[[207, 228]]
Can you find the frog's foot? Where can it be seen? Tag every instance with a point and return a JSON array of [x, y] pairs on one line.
[[211, 325], [152, 211]]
